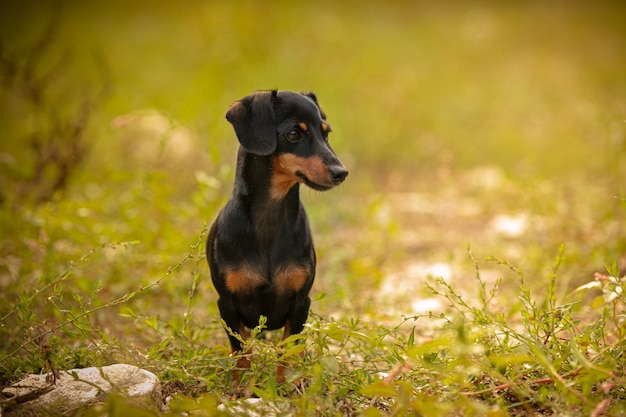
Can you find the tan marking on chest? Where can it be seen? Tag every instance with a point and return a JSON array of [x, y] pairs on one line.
[[283, 174], [290, 278], [243, 280]]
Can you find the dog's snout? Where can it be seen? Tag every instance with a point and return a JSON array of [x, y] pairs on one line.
[[337, 174]]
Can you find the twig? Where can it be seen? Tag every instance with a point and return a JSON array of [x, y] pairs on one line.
[[8, 403]]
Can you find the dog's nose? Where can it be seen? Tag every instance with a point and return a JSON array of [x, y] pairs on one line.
[[337, 174]]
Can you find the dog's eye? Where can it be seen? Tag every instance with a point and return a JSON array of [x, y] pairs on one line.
[[293, 135]]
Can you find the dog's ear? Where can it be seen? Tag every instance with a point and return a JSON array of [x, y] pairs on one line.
[[313, 97], [253, 120]]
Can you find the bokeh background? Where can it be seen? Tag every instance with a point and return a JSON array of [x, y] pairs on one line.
[[535, 88]]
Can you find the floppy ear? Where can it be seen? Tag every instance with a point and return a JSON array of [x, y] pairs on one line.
[[253, 120], [313, 97]]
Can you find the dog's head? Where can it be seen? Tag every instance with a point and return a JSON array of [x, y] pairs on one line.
[[293, 129]]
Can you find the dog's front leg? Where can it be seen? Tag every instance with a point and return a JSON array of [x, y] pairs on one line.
[[235, 325], [294, 325]]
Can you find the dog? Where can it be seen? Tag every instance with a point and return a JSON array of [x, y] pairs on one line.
[[259, 249]]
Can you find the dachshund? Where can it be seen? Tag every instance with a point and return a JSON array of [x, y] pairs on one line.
[[259, 249]]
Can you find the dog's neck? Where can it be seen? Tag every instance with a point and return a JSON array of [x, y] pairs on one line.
[[253, 190]]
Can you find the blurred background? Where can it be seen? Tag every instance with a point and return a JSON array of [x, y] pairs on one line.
[[535, 88], [490, 123]]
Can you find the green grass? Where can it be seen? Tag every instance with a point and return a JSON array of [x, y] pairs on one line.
[[458, 122]]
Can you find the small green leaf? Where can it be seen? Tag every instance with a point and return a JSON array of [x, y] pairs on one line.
[[295, 350], [182, 404], [411, 342], [291, 339], [126, 311], [330, 364], [208, 403], [152, 322], [378, 388]]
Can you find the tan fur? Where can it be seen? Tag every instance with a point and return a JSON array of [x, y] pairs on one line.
[[243, 279], [290, 278], [284, 167]]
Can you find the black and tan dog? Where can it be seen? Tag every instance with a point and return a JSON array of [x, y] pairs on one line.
[[260, 249]]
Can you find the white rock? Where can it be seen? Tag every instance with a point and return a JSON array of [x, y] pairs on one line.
[[82, 387]]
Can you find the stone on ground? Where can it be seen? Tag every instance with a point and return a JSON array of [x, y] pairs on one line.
[[79, 388]]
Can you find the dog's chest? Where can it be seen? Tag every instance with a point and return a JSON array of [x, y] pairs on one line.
[[273, 252], [282, 280]]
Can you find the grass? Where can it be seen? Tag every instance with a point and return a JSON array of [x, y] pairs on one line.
[[509, 346], [470, 265]]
